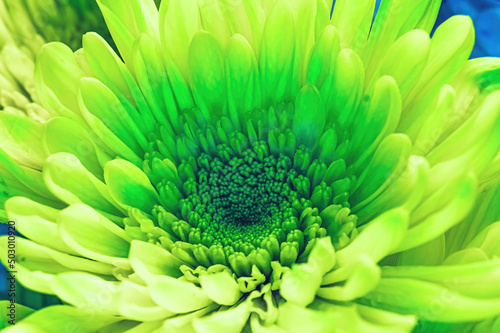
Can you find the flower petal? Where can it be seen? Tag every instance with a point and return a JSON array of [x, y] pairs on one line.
[[21, 139], [309, 118], [243, 80], [129, 186], [179, 21], [87, 291], [150, 260], [478, 280], [348, 14], [176, 295], [439, 222], [76, 141], [37, 265], [277, 54], [221, 287], [37, 222], [206, 68], [231, 320], [60, 318], [363, 277], [378, 238], [57, 75], [430, 301], [68, 179], [92, 235], [136, 303], [451, 45]]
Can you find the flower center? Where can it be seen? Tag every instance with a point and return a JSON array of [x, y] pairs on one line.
[[249, 196], [245, 199]]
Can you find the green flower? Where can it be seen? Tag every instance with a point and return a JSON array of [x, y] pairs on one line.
[[256, 166]]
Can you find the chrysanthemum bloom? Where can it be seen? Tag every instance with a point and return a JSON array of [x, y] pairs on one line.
[[256, 166]]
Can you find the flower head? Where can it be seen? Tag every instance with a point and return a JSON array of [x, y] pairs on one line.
[[257, 166]]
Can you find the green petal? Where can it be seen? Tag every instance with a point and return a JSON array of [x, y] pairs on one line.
[[57, 75], [184, 323], [363, 277], [149, 260], [277, 54], [176, 295], [59, 318], [300, 284], [80, 288], [221, 287], [406, 191], [136, 303], [427, 138], [439, 222], [179, 21], [348, 14], [478, 280], [76, 141], [377, 118], [137, 16], [245, 18], [304, 17], [378, 238], [36, 265], [323, 56], [68, 179], [483, 125], [206, 67], [20, 65], [150, 75], [323, 315], [243, 80], [309, 118], [451, 46], [430, 253], [488, 240], [231, 321], [413, 47], [214, 18], [107, 136], [344, 87], [37, 222], [24, 181], [322, 255], [92, 235], [258, 327], [21, 312], [21, 139], [393, 20], [105, 65], [129, 186], [102, 103], [389, 160], [430, 301]]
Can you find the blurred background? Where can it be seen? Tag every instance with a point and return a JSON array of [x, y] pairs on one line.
[[486, 17]]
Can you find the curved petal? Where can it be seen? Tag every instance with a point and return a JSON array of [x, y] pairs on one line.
[[129, 186], [176, 295], [92, 235]]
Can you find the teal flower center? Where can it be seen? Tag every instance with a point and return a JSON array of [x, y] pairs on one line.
[[249, 198], [244, 199]]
